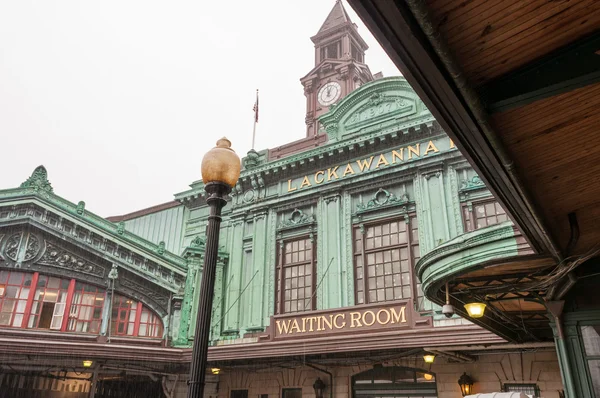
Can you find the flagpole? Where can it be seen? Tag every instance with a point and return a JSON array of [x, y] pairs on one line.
[[255, 120]]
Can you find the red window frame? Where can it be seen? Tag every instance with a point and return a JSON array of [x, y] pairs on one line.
[[150, 324], [21, 285], [48, 286], [31, 288], [124, 316], [86, 306]]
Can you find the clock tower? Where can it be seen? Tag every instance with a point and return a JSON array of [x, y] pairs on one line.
[[339, 66]]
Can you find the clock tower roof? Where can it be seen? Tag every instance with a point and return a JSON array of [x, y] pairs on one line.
[[337, 16]]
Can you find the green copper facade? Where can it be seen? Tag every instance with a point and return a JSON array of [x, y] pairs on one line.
[[385, 157]]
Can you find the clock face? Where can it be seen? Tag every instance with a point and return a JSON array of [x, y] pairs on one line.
[[329, 93]]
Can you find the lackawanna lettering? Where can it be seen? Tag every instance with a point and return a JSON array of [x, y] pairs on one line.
[[364, 165], [342, 320]]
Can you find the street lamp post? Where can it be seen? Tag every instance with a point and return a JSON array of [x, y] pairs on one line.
[[220, 171]]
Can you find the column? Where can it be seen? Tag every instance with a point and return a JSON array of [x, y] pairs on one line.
[[260, 257], [231, 321], [187, 305], [330, 265]]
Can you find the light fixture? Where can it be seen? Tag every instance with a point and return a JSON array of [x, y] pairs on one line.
[[215, 371], [428, 376], [87, 363], [319, 387], [220, 172], [428, 358], [466, 384], [221, 164], [475, 310]]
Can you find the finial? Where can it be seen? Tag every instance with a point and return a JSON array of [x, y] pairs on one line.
[[224, 143], [38, 180]]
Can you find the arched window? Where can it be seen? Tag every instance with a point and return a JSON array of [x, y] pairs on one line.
[[34, 301]]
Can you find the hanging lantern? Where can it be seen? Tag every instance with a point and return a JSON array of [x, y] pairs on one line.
[[428, 358], [87, 363], [466, 384], [319, 388], [475, 310], [215, 371]]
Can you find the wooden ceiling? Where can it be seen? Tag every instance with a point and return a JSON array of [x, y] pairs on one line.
[[553, 141], [555, 146], [490, 38], [516, 84]]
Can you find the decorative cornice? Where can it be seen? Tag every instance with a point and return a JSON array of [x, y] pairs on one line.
[[108, 247], [35, 190]]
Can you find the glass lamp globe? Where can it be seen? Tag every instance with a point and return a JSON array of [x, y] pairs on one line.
[[221, 164]]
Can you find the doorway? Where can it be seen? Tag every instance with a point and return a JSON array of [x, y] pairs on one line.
[[394, 382]]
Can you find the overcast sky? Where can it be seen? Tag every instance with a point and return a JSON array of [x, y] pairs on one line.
[[121, 99]]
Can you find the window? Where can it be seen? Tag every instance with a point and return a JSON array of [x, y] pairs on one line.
[[49, 303], [356, 53], [590, 334], [150, 324], [296, 276], [384, 257], [332, 50], [529, 389], [238, 394], [13, 301], [34, 301], [291, 393], [481, 214], [124, 311], [85, 314]]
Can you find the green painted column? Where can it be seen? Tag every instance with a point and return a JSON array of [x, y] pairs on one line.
[[194, 259], [330, 264], [217, 309], [260, 262], [268, 304], [231, 320]]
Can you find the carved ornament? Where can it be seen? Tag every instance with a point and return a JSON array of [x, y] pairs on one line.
[[297, 218], [382, 198], [38, 181]]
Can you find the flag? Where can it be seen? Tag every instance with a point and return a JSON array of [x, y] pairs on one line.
[[255, 108]]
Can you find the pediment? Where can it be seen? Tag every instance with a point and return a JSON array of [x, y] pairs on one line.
[[385, 104], [329, 62]]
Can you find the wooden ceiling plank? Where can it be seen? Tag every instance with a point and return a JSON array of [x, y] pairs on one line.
[[549, 109], [518, 26], [515, 128], [514, 16], [440, 8], [500, 60], [566, 138]]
